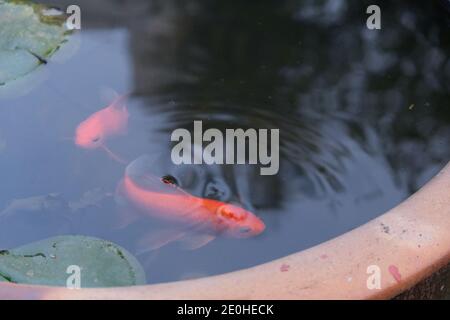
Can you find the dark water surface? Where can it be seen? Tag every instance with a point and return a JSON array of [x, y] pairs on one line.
[[363, 115]]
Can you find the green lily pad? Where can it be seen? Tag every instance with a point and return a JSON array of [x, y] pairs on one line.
[[30, 33], [48, 262]]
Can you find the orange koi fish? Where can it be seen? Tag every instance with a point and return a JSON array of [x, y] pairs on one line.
[[180, 206], [153, 196], [97, 128]]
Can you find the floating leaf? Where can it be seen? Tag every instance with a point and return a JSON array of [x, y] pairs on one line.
[[46, 262], [29, 34]]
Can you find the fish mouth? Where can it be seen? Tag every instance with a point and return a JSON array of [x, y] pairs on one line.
[[245, 232], [87, 143], [249, 231]]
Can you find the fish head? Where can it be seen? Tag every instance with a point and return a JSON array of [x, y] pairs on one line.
[[88, 136], [238, 222]]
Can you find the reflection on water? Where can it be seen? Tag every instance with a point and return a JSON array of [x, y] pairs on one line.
[[363, 116]]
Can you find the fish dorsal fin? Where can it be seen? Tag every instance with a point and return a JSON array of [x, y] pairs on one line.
[[140, 172], [108, 94], [193, 207]]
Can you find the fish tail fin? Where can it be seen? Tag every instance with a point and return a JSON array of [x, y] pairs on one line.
[[118, 101]]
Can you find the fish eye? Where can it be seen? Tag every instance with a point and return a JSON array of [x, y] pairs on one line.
[[168, 179]]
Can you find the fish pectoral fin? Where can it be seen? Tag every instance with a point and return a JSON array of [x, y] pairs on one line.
[[158, 239], [112, 155], [125, 214], [125, 217], [196, 241]]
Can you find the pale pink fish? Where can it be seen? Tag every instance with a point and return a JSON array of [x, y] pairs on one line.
[[103, 124]]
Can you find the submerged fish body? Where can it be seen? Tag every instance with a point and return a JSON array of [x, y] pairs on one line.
[[149, 194], [179, 206], [105, 123], [47, 203]]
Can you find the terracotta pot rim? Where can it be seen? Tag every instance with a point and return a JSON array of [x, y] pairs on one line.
[[406, 245]]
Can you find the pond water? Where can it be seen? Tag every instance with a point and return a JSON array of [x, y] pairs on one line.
[[363, 115]]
